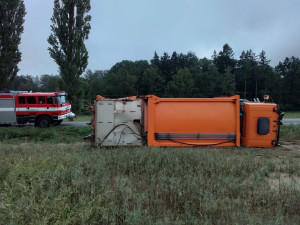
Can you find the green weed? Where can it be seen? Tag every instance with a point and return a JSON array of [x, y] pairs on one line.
[[290, 132], [53, 134], [81, 118], [291, 114]]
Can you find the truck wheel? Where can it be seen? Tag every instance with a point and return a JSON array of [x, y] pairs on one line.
[[43, 122]]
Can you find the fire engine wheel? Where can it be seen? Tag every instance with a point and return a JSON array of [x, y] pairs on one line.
[[44, 122]]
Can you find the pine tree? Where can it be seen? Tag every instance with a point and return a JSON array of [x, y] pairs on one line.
[[155, 61], [12, 14], [224, 60], [70, 28], [247, 78], [165, 66], [289, 73], [266, 74]]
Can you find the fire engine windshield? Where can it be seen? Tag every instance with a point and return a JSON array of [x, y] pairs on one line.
[[62, 99]]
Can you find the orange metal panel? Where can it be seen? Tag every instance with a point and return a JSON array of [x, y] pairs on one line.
[[252, 112], [193, 121]]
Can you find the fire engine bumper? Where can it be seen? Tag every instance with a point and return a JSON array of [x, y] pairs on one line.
[[69, 115]]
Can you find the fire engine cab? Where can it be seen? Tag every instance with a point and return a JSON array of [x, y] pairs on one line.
[[41, 108]]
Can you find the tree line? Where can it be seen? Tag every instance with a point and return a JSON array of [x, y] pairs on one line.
[[186, 75]]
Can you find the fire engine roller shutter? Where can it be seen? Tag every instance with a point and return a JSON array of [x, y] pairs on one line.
[[263, 124], [7, 111]]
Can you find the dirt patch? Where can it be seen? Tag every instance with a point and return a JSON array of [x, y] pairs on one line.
[[287, 150], [280, 180], [290, 146]]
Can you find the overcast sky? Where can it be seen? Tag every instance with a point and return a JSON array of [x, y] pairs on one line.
[[134, 29]]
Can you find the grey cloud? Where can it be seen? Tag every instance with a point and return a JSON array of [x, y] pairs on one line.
[[134, 29]]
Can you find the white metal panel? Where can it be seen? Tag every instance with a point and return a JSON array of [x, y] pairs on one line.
[[104, 120], [117, 122], [7, 111]]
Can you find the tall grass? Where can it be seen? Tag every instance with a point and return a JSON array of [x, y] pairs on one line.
[[290, 132], [76, 184], [81, 118], [50, 176], [53, 134], [291, 114]]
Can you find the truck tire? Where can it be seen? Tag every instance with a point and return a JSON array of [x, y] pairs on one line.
[[44, 122]]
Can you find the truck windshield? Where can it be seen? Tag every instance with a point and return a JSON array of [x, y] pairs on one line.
[[62, 99]]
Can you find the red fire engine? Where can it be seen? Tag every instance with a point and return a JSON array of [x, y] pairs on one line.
[[41, 108]]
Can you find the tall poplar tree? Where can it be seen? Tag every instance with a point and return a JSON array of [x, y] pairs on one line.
[[70, 28], [12, 14]]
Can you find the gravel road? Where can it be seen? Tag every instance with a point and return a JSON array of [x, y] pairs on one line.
[[291, 121], [74, 124]]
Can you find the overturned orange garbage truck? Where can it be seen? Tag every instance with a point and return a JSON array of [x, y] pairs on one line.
[[186, 122]]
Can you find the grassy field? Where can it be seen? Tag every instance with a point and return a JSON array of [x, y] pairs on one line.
[[290, 132], [291, 115], [55, 134], [53, 176], [81, 118]]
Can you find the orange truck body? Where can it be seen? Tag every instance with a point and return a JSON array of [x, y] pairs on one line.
[[193, 121], [185, 122]]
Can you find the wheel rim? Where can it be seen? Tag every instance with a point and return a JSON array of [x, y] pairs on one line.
[[44, 123]]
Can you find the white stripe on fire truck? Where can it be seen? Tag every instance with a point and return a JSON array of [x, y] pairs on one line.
[[7, 109], [42, 109]]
